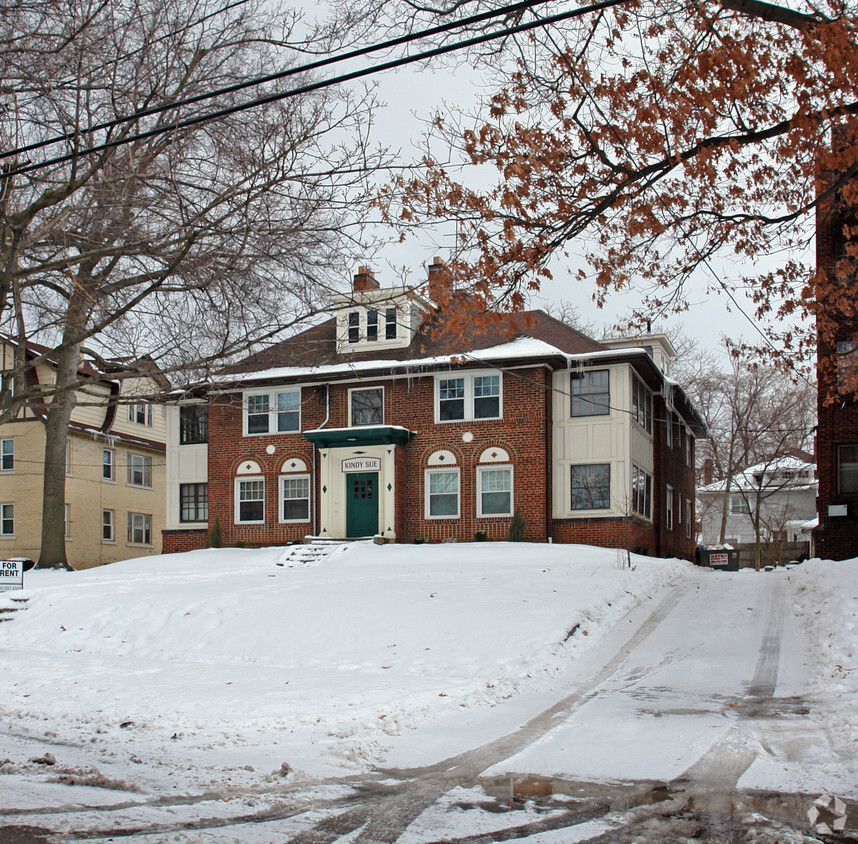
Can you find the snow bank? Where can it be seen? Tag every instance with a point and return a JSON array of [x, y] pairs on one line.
[[225, 650]]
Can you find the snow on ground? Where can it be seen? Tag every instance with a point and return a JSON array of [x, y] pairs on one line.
[[223, 655], [826, 597]]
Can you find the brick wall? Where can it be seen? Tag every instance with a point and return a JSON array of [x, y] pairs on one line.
[[837, 536], [671, 468], [175, 541], [631, 533]]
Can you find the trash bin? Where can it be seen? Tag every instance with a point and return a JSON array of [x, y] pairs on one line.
[[725, 559]]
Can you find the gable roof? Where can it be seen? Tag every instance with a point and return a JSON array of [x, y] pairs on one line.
[[317, 346]]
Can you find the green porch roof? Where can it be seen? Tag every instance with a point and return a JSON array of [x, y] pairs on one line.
[[367, 435]]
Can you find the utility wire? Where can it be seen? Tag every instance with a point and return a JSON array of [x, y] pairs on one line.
[[703, 259], [273, 77], [315, 86]]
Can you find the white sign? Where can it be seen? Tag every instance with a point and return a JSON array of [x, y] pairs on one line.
[[11, 575], [362, 464], [719, 559]]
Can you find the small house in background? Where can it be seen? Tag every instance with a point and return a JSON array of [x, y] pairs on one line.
[[404, 419], [777, 495], [114, 507]]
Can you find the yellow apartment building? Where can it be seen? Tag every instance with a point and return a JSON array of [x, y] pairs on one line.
[[115, 473]]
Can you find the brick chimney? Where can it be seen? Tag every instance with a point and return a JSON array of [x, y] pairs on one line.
[[364, 280], [440, 284], [708, 471]]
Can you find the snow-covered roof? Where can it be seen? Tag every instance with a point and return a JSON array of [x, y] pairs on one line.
[[747, 480]]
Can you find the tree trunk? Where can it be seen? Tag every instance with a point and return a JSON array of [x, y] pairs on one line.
[[53, 550]]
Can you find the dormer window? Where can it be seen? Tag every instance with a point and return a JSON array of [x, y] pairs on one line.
[[390, 324], [371, 325], [354, 326]]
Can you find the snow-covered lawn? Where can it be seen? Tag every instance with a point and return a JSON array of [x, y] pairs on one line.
[[219, 667], [225, 650]]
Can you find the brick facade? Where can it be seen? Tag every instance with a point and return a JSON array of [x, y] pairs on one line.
[[175, 541], [836, 537], [522, 439]]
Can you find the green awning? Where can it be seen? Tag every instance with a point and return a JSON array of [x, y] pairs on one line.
[[368, 435]]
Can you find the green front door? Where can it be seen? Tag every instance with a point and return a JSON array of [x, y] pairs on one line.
[[361, 504]]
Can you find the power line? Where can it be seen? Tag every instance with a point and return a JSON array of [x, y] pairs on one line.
[[315, 86], [274, 77], [703, 259]]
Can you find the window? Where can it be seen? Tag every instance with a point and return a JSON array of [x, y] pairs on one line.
[[193, 424], [7, 455], [689, 517], [739, 504], [371, 325], [268, 413], [668, 507], [354, 326], [295, 498], [494, 491], [591, 393], [107, 463], [66, 520], [390, 324], [451, 399], [641, 404], [689, 449], [442, 493], [107, 525], [139, 470], [140, 413], [68, 457], [641, 492], [7, 519], [468, 397], [591, 487], [193, 502], [847, 366], [486, 396], [250, 501], [139, 528], [668, 429], [367, 406], [847, 469]]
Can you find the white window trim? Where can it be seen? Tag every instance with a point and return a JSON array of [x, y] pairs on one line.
[[129, 471], [468, 378], [365, 390], [272, 393], [130, 529], [2, 454], [236, 500], [281, 499], [147, 413], [438, 470], [12, 532], [66, 521], [668, 507], [112, 525], [490, 468], [112, 478]]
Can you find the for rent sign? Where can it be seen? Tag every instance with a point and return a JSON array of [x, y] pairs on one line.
[[11, 575]]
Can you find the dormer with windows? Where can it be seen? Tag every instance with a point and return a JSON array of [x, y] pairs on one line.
[[657, 346], [375, 318]]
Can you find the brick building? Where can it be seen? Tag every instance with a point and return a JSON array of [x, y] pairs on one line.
[[385, 421], [837, 366]]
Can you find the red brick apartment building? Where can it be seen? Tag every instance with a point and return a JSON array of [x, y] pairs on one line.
[[836, 537], [382, 422]]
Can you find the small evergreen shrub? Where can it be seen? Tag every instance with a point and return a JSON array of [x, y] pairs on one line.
[[481, 536], [216, 535], [517, 526]]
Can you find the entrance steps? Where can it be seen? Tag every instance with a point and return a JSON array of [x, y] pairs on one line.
[[313, 551], [10, 604]]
